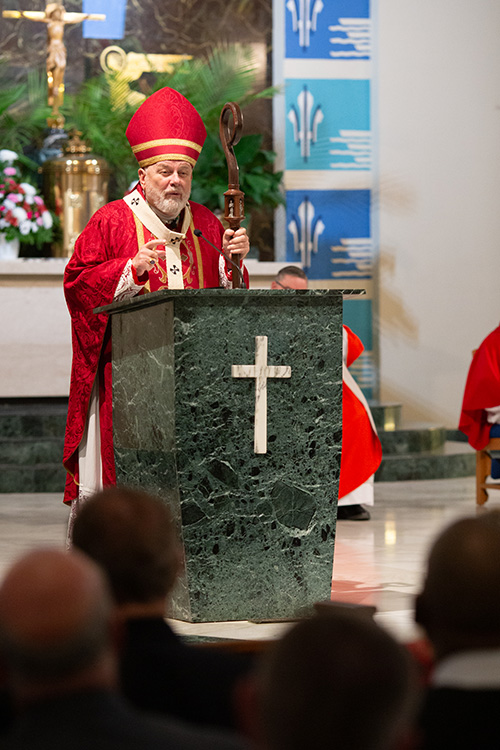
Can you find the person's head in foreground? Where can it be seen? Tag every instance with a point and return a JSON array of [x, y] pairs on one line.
[[57, 628], [335, 680], [459, 606], [130, 533]]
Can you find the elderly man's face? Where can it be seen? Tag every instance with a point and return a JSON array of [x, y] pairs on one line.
[[167, 186]]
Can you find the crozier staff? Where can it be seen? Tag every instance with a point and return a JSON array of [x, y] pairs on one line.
[[143, 242]]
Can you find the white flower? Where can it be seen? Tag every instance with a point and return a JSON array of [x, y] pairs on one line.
[[4, 224], [29, 199], [28, 189], [7, 156], [47, 219], [20, 214], [25, 227], [34, 226], [9, 205]]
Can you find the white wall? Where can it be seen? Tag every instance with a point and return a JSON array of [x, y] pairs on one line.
[[35, 339], [438, 103]]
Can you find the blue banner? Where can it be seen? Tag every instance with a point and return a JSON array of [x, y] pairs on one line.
[[328, 231], [339, 30], [114, 25], [328, 124]]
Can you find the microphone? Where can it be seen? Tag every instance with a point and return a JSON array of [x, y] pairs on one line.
[[199, 233]]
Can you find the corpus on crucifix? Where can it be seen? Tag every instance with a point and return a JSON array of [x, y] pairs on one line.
[[56, 18]]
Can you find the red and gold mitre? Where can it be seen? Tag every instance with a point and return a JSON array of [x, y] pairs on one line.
[[166, 127]]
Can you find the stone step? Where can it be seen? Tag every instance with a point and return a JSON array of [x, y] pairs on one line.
[[454, 459], [31, 444], [40, 478], [29, 418], [31, 450], [387, 417], [416, 438]]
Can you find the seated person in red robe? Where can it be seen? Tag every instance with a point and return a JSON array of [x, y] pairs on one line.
[[143, 242], [480, 417]]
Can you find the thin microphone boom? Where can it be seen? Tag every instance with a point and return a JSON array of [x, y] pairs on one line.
[[199, 233]]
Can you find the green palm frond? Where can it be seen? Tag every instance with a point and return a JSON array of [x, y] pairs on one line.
[[23, 110], [229, 74]]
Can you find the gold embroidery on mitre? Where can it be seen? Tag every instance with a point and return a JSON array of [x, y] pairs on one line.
[[166, 142], [167, 157]]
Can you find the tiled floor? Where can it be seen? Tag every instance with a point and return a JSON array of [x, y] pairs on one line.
[[377, 562]]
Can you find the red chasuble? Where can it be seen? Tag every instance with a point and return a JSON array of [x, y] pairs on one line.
[[112, 236], [482, 391], [361, 450]]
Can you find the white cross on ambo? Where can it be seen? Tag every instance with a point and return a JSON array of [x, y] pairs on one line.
[[261, 371]]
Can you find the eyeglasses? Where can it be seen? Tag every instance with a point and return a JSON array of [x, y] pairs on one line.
[[281, 285]]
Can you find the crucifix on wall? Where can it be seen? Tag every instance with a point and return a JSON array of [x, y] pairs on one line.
[[56, 18]]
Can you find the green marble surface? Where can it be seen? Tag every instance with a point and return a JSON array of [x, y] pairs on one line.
[[258, 530], [414, 439]]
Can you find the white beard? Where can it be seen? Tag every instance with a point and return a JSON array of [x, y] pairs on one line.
[[170, 207]]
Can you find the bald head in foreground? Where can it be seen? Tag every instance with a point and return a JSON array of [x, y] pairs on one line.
[[333, 681], [56, 625], [131, 534], [58, 642]]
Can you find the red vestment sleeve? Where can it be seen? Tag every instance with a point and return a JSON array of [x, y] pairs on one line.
[[482, 391]]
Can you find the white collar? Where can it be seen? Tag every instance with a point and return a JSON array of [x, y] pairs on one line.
[[474, 670]]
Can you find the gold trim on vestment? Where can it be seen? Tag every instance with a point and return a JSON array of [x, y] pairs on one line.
[[166, 142], [198, 255], [141, 240]]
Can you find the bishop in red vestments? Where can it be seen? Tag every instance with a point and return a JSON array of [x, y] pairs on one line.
[[141, 243]]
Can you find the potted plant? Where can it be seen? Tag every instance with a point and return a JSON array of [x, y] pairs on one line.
[[23, 214]]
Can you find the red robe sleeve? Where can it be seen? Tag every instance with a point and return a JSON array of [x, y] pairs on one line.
[[482, 391]]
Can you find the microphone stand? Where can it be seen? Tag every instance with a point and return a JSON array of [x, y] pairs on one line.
[[199, 233]]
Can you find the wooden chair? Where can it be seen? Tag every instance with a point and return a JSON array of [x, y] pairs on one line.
[[483, 470]]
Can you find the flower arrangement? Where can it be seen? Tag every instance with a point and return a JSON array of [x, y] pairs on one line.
[[23, 214]]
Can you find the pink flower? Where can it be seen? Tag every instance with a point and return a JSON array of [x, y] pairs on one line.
[[39, 221], [9, 171]]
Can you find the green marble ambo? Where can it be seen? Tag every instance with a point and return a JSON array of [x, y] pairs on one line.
[[258, 530]]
